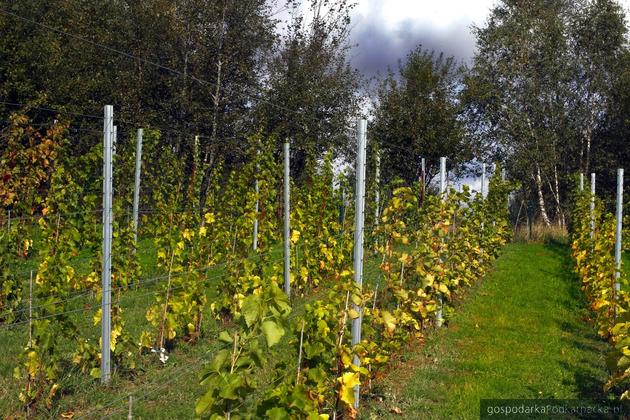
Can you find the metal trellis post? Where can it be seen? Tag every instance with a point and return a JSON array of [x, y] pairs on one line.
[[136, 188], [287, 231], [377, 194], [439, 318], [618, 233], [483, 181], [358, 236], [108, 137], [592, 204]]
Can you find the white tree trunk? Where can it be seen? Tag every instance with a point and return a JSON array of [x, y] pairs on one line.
[[559, 212], [541, 197]]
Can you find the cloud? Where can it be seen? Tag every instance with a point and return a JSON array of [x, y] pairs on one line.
[[386, 30], [380, 46]]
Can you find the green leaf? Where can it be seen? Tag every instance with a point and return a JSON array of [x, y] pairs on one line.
[[204, 402], [225, 337], [277, 413], [229, 390], [220, 359], [251, 309], [313, 349], [273, 332]]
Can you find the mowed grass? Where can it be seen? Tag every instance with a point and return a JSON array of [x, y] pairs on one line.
[[523, 332]]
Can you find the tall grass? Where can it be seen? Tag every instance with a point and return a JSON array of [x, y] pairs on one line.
[[541, 233]]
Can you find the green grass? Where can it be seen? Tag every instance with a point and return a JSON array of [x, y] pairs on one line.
[[520, 333]]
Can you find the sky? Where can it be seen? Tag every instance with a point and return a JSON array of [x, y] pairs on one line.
[[386, 30]]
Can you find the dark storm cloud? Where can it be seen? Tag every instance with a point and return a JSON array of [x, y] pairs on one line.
[[380, 47]]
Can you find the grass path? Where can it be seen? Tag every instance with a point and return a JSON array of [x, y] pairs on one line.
[[521, 333]]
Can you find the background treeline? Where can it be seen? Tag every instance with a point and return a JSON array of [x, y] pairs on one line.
[[546, 94], [221, 70]]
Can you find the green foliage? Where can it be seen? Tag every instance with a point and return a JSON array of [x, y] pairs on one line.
[[428, 253], [10, 287], [417, 117], [41, 360], [320, 250], [229, 377], [592, 244]]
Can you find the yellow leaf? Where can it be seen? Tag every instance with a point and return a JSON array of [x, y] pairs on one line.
[[428, 280], [346, 391], [390, 322], [295, 236], [97, 317], [209, 217]]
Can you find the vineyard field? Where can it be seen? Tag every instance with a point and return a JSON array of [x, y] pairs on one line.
[[167, 391]]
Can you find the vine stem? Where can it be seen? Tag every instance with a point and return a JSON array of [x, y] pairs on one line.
[[235, 356], [297, 379], [168, 290], [57, 230], [345, 319], [375, 294], [341, 330]]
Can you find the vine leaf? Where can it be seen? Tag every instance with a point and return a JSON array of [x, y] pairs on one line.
[[277, 413], [250, 309], [348, 381], [204, 402], [273, 332], [390, 322]]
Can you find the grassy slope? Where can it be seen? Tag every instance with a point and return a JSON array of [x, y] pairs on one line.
[[521, 334]]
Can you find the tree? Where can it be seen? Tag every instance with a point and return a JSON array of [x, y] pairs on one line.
[[417, 115], [189, 68], [598, 34], [538, 89], [312, 93]]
